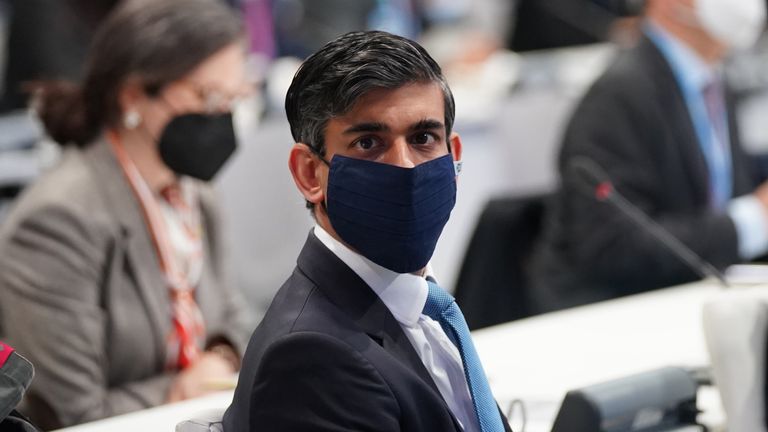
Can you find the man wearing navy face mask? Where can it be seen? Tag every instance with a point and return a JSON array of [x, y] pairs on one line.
[[360, 337]]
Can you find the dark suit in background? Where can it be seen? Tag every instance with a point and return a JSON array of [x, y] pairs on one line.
[[329, 355], [634, 122]]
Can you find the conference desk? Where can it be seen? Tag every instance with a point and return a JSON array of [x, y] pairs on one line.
[[538, 359]]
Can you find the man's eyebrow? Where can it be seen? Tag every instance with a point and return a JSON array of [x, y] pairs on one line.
[[367, 127], [427, 124]]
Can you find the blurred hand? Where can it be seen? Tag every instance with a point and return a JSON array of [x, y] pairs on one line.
[[194, 380], [761, 193]]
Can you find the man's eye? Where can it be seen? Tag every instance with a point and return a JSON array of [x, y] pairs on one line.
[[423, 138], [367, 143]]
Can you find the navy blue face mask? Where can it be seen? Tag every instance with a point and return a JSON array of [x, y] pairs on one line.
[[391, 215]]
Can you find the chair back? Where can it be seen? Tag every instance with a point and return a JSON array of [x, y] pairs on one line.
[[492, 286]]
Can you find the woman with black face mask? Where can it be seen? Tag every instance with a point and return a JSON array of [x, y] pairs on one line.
[[112, 276]]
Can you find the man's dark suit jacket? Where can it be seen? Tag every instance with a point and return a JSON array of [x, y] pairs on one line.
[[329, 356], [634, 122]]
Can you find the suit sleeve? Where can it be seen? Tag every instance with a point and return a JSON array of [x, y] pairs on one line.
[[50, 283], [615, 129], [313, 382]]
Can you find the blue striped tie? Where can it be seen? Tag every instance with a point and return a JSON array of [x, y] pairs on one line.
[[442, 308]]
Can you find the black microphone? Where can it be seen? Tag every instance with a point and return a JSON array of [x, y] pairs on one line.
[[603, 191], [659, 400]]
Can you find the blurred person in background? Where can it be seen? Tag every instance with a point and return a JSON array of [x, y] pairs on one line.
[[113, 277], [301, 27], [661, 123], [50, 40], [47, 40], [304, 26]]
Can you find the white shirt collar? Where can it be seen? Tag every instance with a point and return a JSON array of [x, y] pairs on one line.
[[404, 294]]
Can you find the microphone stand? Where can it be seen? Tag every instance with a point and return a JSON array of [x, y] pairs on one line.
[[605, 192]]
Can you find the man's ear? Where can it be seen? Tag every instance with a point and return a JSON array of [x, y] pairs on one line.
[[307, 173], [455, 143]]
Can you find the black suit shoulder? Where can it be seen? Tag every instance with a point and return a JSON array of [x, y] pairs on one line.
[[300, 306], [621, 106], [338, 387], [627, 77], [329, 355]]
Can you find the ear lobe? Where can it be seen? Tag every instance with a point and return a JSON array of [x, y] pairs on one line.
[[307, 173], [129, 95]]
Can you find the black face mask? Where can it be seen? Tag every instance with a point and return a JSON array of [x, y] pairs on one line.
[[198, 145]]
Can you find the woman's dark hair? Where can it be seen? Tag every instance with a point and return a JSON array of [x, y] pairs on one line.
[[153, 41]]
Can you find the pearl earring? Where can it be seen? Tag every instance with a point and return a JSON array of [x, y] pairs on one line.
[[131, 119]]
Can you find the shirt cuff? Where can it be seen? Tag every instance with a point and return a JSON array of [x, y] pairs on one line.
[[751, 221]]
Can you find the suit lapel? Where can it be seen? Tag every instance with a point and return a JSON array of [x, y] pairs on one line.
[[677, 118], [352, 295], [141, 254]]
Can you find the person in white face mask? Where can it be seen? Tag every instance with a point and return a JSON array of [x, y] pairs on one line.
[[660, 121], [736, 25]]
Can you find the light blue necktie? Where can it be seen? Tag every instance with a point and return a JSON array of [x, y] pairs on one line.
[[442, 308]]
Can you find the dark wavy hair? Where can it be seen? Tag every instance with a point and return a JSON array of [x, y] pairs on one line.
[[330, 81], [154, 41]]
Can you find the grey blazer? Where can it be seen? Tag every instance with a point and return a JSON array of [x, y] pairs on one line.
[[82, 296]]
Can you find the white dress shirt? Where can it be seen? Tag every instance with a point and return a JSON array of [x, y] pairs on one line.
[[405, 295]]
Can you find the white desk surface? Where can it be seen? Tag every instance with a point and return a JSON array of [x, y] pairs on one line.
[[159, 419], [539, 359]]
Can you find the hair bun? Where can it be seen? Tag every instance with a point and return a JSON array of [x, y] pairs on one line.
[[60, 105]]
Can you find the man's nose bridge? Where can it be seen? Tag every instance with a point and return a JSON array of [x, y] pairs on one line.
[[400, 154]]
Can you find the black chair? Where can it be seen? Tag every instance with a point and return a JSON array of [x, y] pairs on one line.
[[493, 282], [547, 24]]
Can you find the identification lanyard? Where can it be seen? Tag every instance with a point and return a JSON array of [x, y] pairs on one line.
[[185, 341]]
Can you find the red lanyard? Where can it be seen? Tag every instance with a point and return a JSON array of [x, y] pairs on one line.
[[188, 332]]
